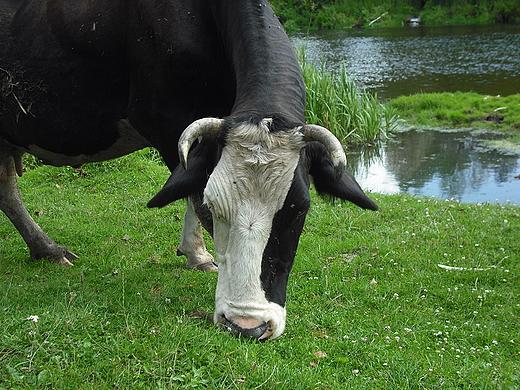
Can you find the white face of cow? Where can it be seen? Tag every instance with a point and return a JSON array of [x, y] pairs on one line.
[[258, 195], [244, 192]]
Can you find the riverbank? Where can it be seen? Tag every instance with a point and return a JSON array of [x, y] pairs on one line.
[[343, 14], [355, 115], [464, 110]]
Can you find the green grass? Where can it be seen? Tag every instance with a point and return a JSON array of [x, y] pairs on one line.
[[368, 305], [462, 110], [356, 116], [340, 14], [337, 103]]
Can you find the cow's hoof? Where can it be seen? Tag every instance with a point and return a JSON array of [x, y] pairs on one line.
[[66, 260], [207, 267], [57, 254], [250, 333]]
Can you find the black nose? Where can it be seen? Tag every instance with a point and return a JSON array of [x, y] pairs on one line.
[[250, 333]]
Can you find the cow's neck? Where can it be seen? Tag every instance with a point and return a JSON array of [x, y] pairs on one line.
[[268, 76]]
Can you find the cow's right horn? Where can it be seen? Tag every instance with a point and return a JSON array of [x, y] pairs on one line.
[[329, 140], [197, 129]]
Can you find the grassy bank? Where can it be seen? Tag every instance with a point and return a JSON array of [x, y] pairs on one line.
[[356, 116], [340, 14], [368, 305], [462, 110]]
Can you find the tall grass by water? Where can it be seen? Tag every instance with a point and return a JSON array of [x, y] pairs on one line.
[[337, 103]]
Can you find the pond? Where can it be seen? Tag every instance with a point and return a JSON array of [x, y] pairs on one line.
[[442, 164], [402, 61]]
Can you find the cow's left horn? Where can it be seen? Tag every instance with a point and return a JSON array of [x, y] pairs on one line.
[[197, 129], [329, 140]]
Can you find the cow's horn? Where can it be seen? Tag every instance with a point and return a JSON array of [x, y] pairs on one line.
[[321, 134], [197, 129]]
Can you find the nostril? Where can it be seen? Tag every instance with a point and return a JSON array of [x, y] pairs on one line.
[[250, 333]]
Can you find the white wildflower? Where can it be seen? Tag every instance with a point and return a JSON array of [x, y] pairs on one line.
[[33, 318]]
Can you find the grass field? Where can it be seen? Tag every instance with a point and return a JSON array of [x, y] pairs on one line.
[[368, 305]]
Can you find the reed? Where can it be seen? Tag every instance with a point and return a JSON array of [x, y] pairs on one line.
[[337, 103]]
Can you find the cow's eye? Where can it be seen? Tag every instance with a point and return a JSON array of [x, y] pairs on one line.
[[211, 207]]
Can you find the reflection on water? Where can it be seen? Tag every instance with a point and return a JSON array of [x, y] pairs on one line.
[[445, 165], [403, 61]]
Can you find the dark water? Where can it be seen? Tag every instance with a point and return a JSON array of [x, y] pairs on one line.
[[409, 60]]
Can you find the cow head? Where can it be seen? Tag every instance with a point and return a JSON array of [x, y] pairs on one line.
[[254, 177]]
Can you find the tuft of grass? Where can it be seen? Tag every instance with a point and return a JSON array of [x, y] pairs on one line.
[[337, 103], [368, 306]]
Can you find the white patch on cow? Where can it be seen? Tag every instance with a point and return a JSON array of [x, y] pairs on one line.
[[244, 192], [192, 240]]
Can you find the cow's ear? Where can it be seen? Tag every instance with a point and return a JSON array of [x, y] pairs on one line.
[[321, 169], [186, 182]]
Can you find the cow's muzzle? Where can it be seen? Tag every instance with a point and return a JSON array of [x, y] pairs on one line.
[[240, 329]]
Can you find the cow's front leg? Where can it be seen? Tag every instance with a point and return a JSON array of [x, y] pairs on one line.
[[192, 242], [40, 245]]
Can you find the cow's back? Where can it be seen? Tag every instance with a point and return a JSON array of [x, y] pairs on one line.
[[7, 10], [75, 69], [60, 91]]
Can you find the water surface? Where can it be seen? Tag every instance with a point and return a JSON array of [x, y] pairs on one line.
[[408, 60], [442, 164]]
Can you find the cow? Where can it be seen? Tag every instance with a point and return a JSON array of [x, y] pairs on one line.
[[216, 88]]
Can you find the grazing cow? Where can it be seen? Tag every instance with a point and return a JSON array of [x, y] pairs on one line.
[[84, 81]]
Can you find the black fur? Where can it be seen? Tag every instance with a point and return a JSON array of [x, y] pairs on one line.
[[321, 169], [184, 183]]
